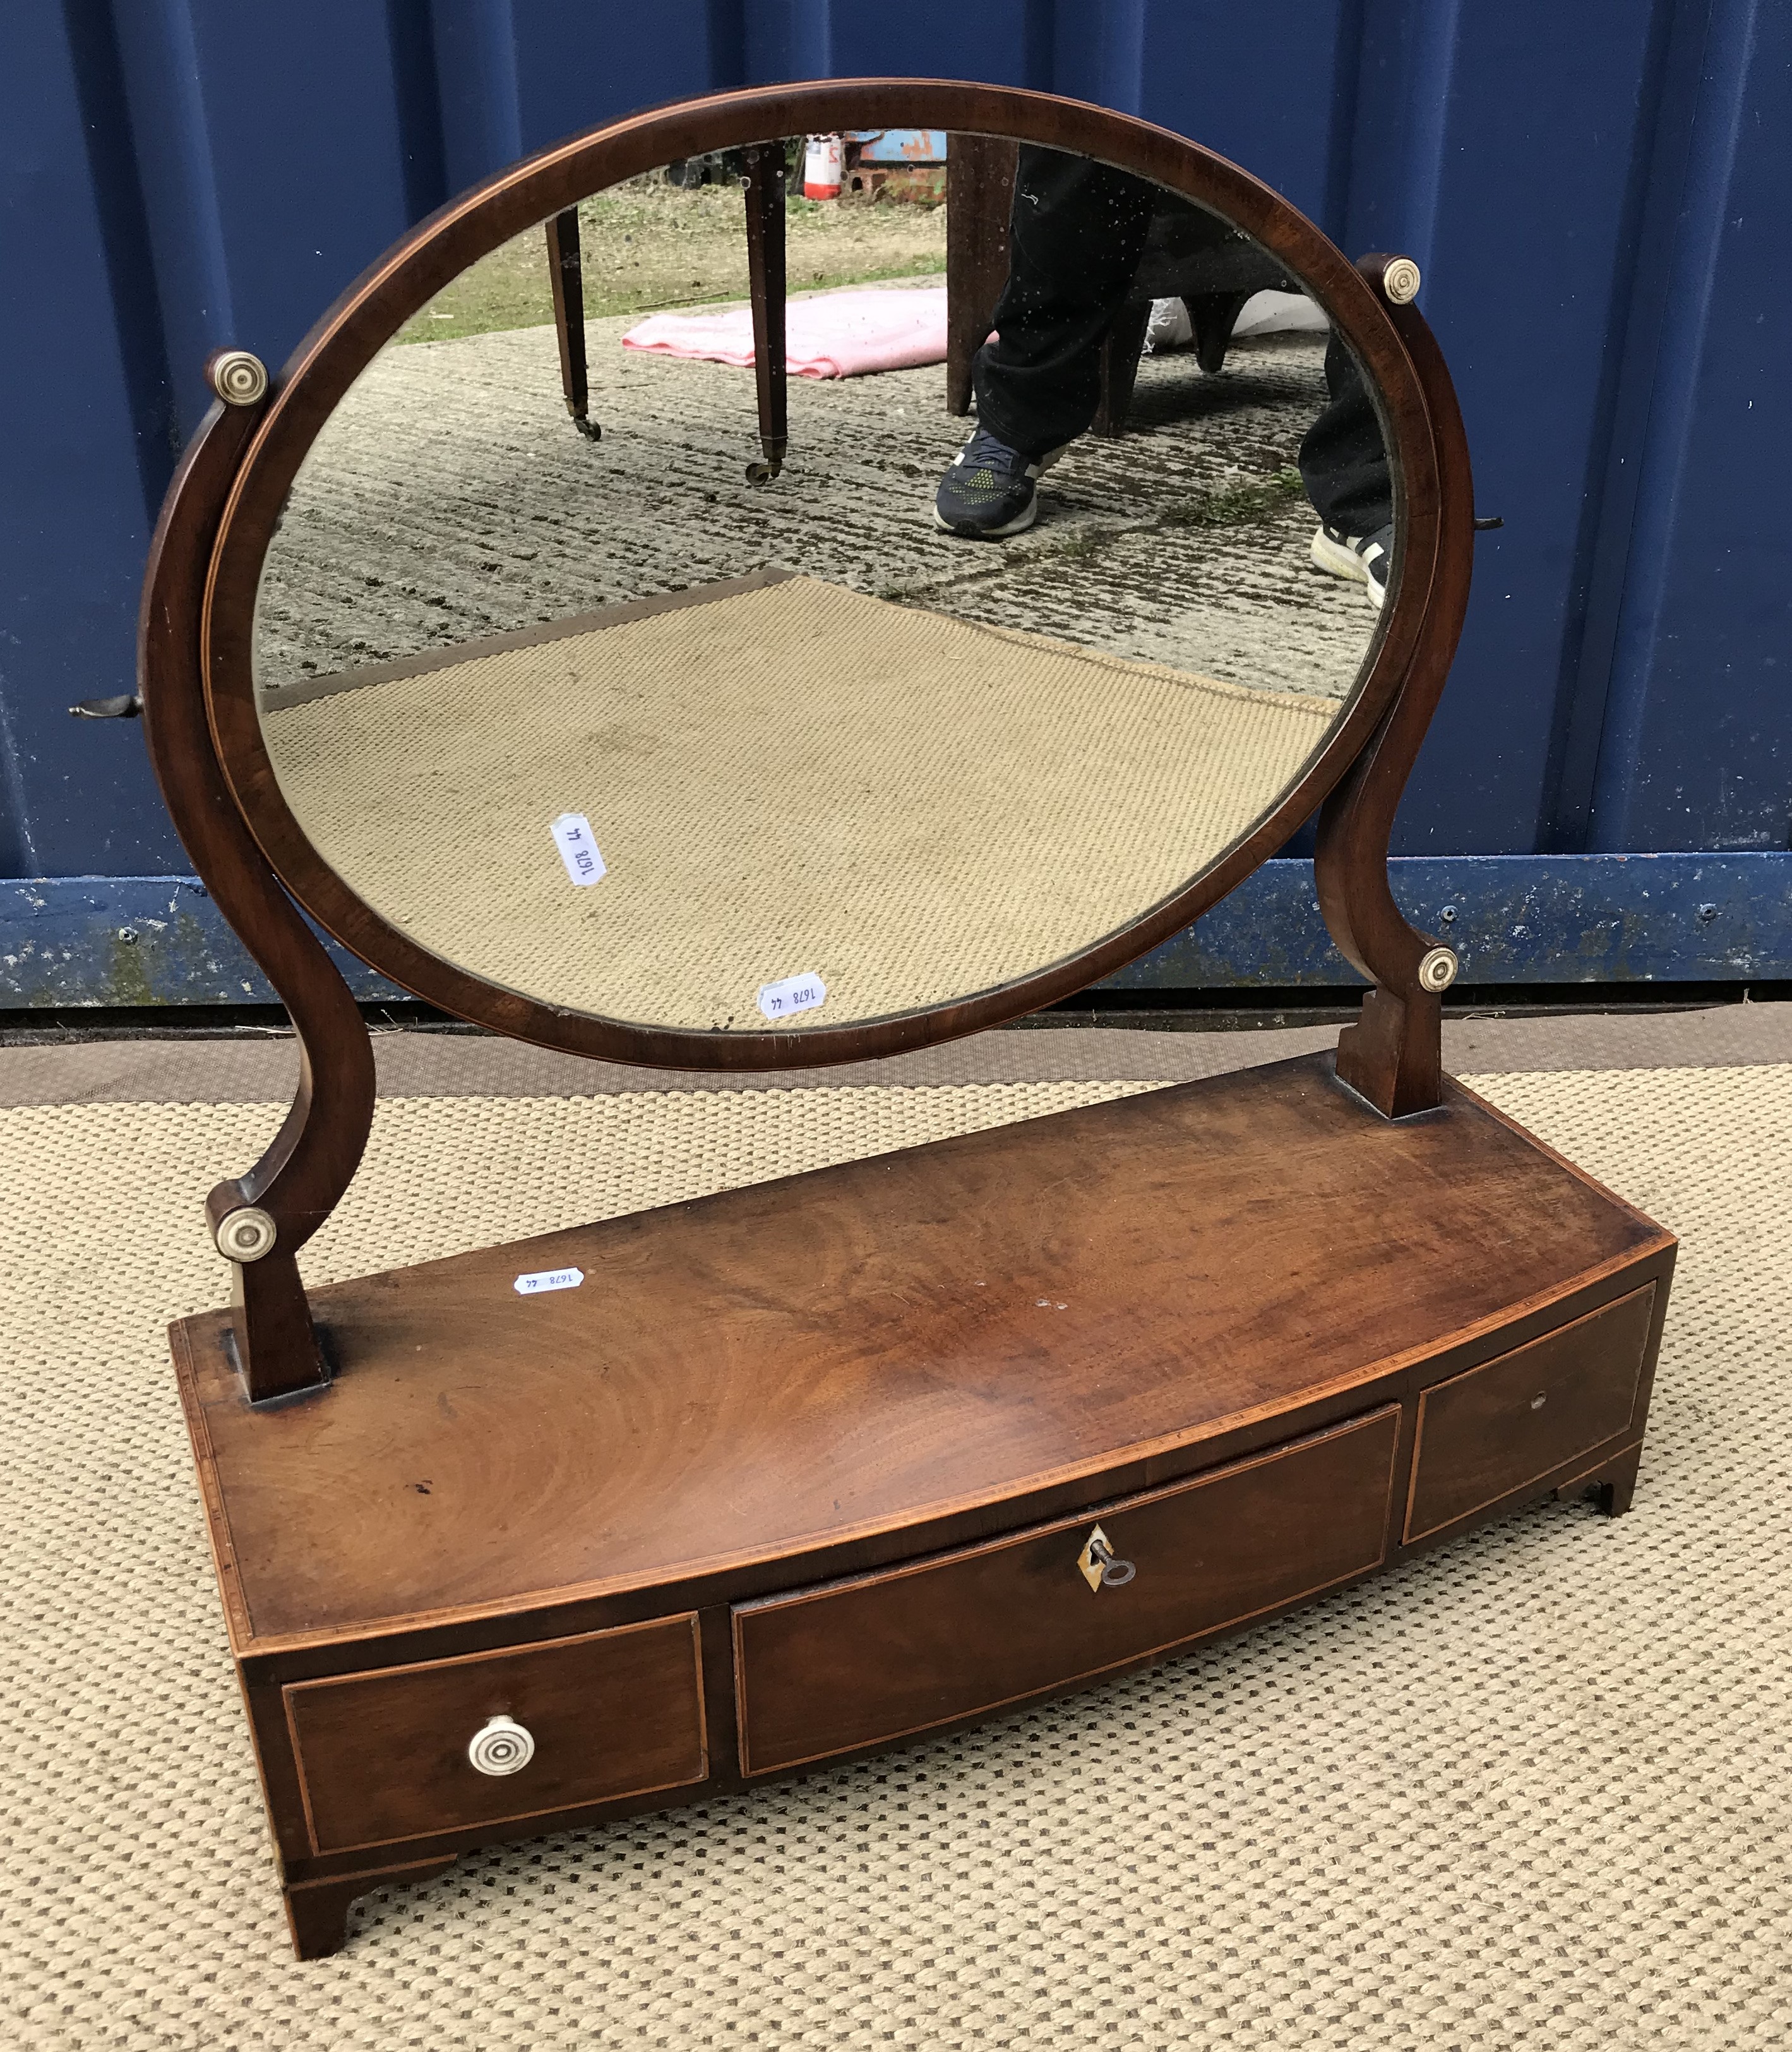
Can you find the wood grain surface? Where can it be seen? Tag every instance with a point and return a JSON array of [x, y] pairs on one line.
[[764, 1374]]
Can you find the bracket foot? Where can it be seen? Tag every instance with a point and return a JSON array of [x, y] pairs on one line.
[[317, 1911]]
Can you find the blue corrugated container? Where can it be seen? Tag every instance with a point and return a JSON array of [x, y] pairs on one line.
[[1594, 193]]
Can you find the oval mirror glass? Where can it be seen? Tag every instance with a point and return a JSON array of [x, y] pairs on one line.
[[616, 670]]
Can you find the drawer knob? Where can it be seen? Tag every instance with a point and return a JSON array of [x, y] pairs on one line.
[[501, 1746], [1099, 1565]]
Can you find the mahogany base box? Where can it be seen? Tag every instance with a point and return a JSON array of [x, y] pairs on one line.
[[804, 1469]]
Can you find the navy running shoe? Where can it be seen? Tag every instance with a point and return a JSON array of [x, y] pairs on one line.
[[990, 490]]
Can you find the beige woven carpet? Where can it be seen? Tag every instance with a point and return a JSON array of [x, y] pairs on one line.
[[909, 806], [1534, 1790]]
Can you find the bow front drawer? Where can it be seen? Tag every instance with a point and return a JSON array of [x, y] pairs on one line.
[[491, 1736], [861, 1663], [1517, 1419]]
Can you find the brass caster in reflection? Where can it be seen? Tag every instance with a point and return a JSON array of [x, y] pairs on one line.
[[762, 473]]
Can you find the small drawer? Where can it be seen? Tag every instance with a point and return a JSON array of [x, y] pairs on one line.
[[386, 1756], [1516, 1419], [861, 1663]]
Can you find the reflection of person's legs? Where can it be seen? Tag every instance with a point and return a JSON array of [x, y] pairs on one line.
[[1344, 465], [1078, 232], [1075, 237]]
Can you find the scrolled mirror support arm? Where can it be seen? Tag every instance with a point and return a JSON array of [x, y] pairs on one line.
[[304, 1171], [1393, 1056]]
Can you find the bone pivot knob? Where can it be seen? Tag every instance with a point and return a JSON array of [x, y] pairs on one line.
[[1400, 281], [246, 1234], [238, 378], [1437, 970]]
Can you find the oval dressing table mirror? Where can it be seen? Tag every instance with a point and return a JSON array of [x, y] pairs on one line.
[[604, 627]]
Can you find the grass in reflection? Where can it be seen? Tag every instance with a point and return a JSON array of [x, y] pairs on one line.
[[1241, 506], [648, 245], [1257, 502]]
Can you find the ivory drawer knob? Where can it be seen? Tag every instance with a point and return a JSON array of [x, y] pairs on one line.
[[501, 1746]]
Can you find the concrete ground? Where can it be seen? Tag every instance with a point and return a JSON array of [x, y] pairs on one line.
[[451, 498]]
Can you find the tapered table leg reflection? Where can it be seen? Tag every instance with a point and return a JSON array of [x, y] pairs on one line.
[[765, 278], [566, 277]]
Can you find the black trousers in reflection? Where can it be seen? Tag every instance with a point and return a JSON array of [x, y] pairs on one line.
[[1076, 236], [1074, 240], [1344, 462]]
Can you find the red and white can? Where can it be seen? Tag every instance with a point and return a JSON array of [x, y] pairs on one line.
[[821, 168]]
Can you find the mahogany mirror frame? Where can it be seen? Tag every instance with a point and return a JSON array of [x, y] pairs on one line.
[[204, 732]]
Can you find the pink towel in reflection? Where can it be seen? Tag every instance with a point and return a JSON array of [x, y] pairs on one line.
[[834, 335]]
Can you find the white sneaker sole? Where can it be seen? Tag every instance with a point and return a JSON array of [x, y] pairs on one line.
[[1339, 562], [1332, 556]]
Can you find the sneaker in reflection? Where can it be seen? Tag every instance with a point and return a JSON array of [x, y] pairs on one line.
[[1363, 557], [989, 491]]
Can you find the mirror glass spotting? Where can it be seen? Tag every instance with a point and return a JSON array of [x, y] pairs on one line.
[[584, 707]]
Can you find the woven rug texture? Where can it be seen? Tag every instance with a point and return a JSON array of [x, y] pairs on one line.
[[1531, 1790], [798, 780]]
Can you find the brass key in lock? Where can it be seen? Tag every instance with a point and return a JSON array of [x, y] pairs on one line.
[[1100, 1566]]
